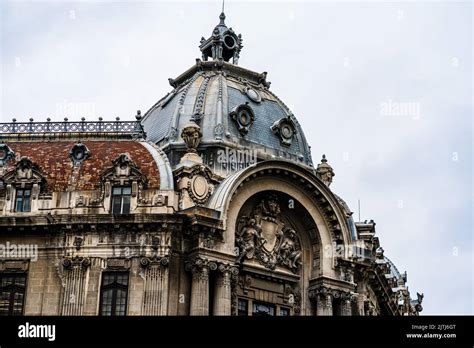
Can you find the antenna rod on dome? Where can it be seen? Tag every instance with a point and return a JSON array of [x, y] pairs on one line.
[[359, 209], [223, 2]]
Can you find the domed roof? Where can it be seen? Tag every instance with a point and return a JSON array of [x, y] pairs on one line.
[[233, 106]]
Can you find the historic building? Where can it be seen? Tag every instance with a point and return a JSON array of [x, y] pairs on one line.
[[208, 204]]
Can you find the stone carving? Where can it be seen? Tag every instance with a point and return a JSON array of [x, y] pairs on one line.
[[243, 117], [123, 169], [369, 308], [199, 105], [195, 184], [199, 189], [78, 242], [80, 201], [173, 134], [159, 200], [416, 304], [325, 172], [145, 262], [265, 237], [82, 262], [24, 169], [285, 129], [191, 135], [250, 236], [290, 254], [219, 131]]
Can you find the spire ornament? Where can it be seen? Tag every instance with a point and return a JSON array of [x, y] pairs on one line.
[[223, 44]]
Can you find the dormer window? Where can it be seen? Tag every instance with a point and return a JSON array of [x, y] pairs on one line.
[[121, 196], [23, 185], [121, 184], [23, 200]]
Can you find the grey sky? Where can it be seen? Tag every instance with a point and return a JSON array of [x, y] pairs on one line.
[[342, 67]]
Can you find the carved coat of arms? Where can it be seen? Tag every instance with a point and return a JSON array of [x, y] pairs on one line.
[[264, 236]]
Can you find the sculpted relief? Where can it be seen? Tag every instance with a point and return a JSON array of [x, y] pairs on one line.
[[265, 237]]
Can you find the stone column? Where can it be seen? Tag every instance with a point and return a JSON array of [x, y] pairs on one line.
[[346, 307], [223, 294], [320, 304], [155, 301], [328, 305], [323, 301], [200, 290], [74, 281]]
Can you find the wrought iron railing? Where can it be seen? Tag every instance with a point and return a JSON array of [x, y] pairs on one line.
[[66, 126]]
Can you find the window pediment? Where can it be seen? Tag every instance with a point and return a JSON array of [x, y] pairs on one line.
[[123, 170], [25, 172]]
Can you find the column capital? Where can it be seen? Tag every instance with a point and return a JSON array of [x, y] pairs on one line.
[[146, 262], [228, 268]]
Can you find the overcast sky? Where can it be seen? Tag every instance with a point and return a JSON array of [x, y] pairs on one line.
[[384, 89]]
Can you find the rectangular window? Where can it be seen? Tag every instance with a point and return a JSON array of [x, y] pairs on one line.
[[113, 293], [12, 293], [121, 200], [243, 307], [263, 309], [22, 200], [284, 312]]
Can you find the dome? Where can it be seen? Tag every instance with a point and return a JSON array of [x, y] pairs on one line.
[[234, 107]]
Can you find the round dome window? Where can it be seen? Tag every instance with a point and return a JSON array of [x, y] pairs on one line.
[[229, 41], [253, 95]]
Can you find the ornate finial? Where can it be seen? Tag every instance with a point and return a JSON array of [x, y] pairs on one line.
[[138, 116], [222, 18], [222, 15], [191, 135], [223, 44], [324, 171]]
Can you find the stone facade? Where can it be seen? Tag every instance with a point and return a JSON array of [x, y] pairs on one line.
[[208, 205]]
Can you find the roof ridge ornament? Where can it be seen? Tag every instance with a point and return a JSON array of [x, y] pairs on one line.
[[223, 44]]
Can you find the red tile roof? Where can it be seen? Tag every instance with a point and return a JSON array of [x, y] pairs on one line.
[[56, 165]]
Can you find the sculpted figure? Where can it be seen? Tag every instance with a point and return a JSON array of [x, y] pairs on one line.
[[289, 250], [249, 238]]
